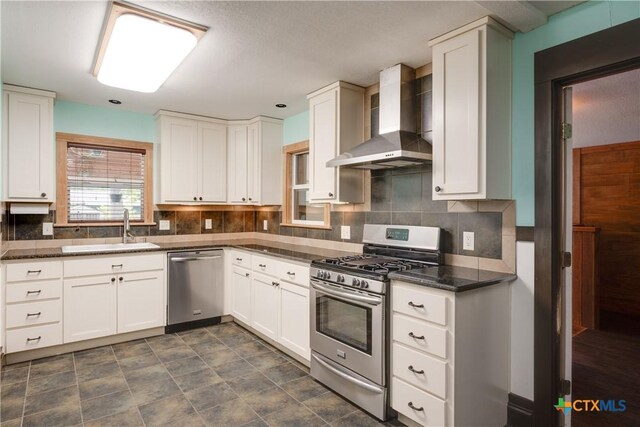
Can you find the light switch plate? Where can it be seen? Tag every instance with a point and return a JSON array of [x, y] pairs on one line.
[[47, 229], [345, 232], [265, 225], [164, 224], [468, 242], [208, 224]]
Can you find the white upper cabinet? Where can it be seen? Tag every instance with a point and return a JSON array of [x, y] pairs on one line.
[[336, 124], [255, 162], [27, 148], [472, 112], [192, 159]]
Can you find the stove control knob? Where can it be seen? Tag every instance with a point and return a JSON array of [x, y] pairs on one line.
[[340, 278], [364, 284], [356, 282], [320, 274], [327, 275]]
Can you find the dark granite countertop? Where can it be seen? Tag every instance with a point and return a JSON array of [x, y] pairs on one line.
[[280, 250], [450, 278]]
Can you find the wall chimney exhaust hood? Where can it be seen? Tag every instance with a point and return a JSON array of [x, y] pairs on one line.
[[398, 144]]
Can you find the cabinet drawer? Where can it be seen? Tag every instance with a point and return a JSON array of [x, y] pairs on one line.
[[429, 410], [34, 337], [420, 370], [420, 303], [39, 270], [34, 291], [294, 273], [266, 265], [242, 259], [420, 335], [33, 313], [113, 265]]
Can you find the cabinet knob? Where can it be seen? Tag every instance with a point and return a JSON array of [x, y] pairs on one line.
[[244, 200], [246, 274], [113, 279], [195, 198], [43, 195], [120, 278], [250, 199], [199, 198], [438, 189], [330, 194]]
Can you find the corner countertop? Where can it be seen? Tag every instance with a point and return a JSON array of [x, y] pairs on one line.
[[453, 279], [281, 250]]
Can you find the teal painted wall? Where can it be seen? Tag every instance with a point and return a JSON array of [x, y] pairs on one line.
[[296, 128], [571, 24], [72, 117]]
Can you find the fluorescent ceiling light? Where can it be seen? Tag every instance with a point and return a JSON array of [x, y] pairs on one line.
[[140, 49]]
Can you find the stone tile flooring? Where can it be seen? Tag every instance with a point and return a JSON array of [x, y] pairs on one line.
[[216, 376]]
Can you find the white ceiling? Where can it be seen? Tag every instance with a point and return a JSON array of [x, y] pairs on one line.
[[607, 110], [255, 54]]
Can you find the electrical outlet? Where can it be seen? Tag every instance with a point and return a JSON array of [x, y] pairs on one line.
[[165, 224], [47, 229], [345, 232], [208, 224], [468, 240], [265, 225]]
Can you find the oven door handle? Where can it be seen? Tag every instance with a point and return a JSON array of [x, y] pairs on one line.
[[347, 296], [348, 377]]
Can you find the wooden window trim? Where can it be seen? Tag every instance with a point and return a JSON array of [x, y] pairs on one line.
[[289, 151], [62, 143]]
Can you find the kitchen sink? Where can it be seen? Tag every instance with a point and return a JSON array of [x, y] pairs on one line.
[[113, 247]]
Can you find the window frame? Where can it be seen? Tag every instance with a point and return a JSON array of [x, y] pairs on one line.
[[289, 153], [62, 144]]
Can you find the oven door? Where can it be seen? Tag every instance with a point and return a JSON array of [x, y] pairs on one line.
[[348, 327]]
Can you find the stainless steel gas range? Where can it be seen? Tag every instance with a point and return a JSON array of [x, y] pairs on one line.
[[350, 311]]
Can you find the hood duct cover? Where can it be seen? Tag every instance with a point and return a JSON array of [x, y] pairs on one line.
[[398, 144]]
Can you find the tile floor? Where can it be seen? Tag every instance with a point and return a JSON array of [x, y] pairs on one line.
[[216, 376]]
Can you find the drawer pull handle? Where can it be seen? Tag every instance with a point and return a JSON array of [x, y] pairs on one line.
[[420, 409], [34, 314], [275, 283], [34, 339], [262, 265], [238, 259], [412, 304], [116, 265], [291, 273], [412, 369], [34, 271], [34, 292], [415, 337]]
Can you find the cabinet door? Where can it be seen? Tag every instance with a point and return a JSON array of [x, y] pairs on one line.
[[181, 136], [294, 318], [237, 155], [140, 301], [212, 162], [241, 294], [29, 147], [265, 305], [89, 307], [456, 130], [322, 145], [254, 163]]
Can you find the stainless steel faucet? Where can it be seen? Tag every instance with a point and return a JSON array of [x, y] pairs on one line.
[[126, 232]]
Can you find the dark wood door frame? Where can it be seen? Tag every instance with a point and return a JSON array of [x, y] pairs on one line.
[[599, 54]]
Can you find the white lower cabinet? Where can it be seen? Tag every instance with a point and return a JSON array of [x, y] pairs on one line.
[[90, 307], [450, 355], [272, 298], [141, 301]]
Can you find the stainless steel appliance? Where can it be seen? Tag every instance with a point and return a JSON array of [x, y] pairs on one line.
[[350, 311], [196, 281]]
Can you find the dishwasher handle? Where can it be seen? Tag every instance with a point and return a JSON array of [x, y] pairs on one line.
[[195, 258]]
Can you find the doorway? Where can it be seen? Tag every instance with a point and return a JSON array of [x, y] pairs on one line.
[[607, 52], [603, 201]]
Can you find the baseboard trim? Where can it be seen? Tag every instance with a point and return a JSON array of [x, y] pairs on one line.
[[519, 411]]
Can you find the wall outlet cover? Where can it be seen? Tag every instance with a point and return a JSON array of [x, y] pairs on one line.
[[208, 224], [468, 240], [345, 232], [47, 229], [164, 224], [265, 225]]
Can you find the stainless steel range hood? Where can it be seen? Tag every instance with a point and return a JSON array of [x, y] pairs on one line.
[[398, 144]]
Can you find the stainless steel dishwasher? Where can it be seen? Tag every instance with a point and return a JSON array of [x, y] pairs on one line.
[[196, 282]]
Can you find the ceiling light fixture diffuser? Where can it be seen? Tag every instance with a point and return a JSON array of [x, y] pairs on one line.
[[140, 49]]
